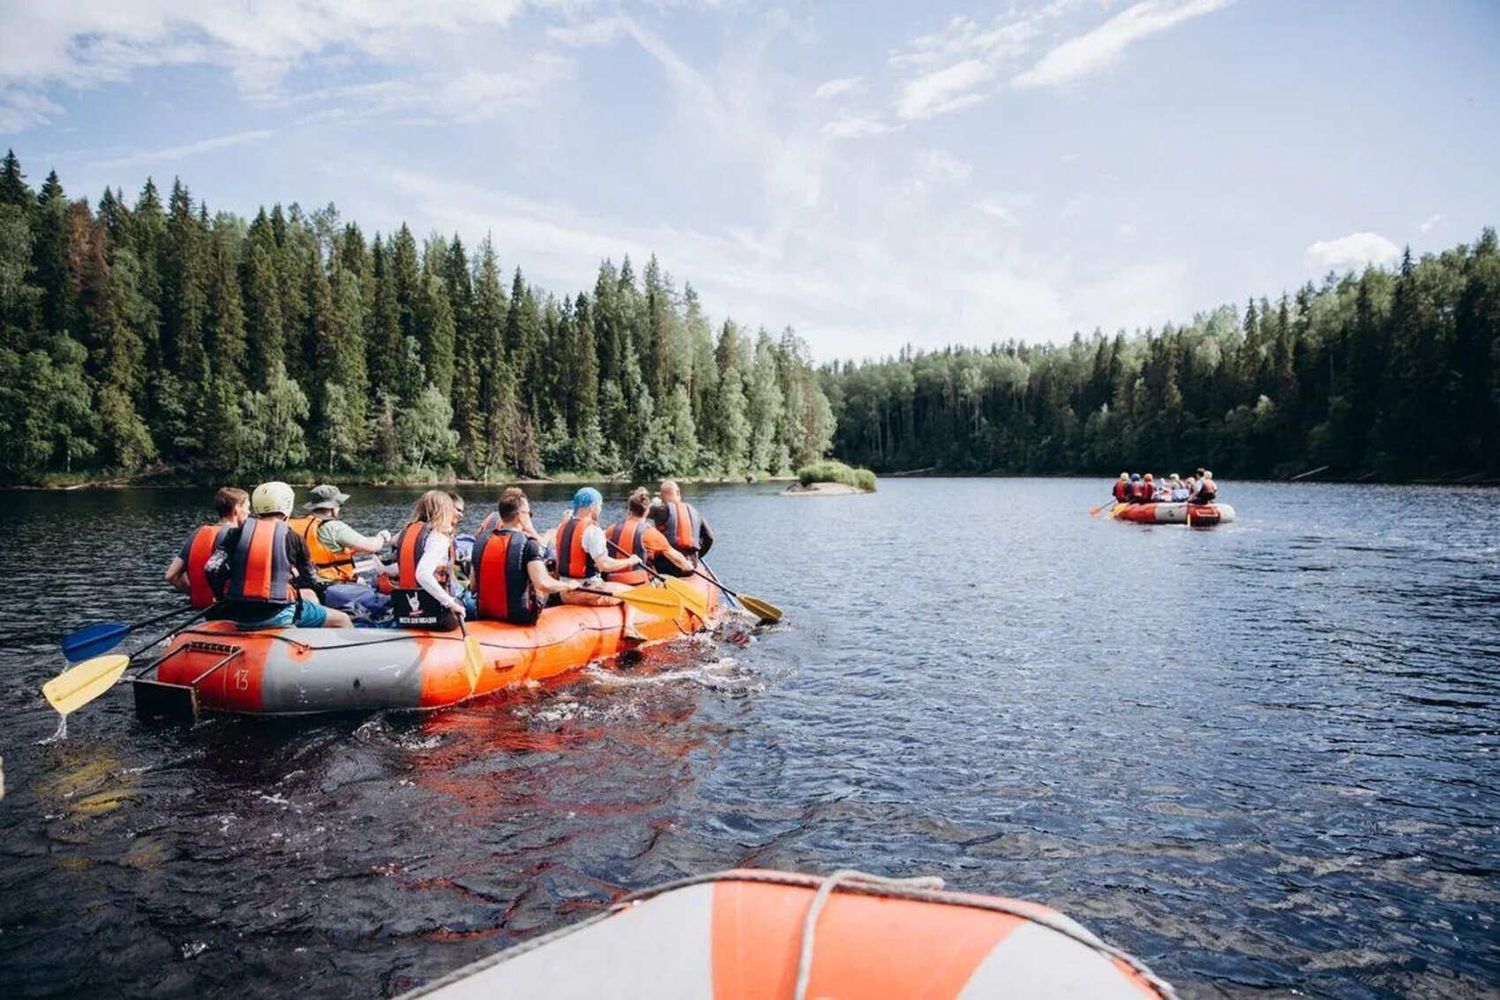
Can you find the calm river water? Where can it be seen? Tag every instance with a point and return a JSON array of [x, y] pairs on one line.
[[1264, 757]]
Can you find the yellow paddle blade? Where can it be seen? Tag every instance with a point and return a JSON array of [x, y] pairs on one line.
[[76, 687], [764, 610], [691, 597], [473, 661], [649, 598]]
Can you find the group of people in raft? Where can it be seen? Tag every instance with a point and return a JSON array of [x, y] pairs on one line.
[[1196, 489], [260, 567]]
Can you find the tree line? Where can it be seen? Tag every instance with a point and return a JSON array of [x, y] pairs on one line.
[[156, 337], [1391, 374]]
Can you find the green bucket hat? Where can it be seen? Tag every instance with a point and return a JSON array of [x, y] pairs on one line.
[[325, 495]]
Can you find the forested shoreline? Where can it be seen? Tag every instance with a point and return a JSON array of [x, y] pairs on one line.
[[1390, 374], [155, 340]]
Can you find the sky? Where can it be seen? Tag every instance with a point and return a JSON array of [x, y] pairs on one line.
[[870, 174]]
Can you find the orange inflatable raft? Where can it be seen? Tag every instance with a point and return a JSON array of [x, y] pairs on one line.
[[218, 667], [1194, 515], [756, 935]]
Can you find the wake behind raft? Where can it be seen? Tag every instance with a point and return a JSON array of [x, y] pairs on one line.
[[218, 667]]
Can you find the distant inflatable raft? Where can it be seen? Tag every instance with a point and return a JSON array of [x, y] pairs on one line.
[[752, 935], [1197, 515], [298, 671]]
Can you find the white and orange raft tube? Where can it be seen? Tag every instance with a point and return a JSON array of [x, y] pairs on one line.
[[756, 935], [1204, 515], [219, 667]]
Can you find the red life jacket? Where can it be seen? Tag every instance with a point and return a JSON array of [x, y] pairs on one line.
[[572, 562], [414, 606], [1207, 492], [684, 524], [1122, 490], [502, 585], [201, 545], [628, 539], [1139, 490], [259, 569]]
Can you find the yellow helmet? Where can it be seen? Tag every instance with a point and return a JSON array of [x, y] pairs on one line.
[[272, 498]]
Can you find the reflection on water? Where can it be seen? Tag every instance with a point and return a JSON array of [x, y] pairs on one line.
[[1260, 757]]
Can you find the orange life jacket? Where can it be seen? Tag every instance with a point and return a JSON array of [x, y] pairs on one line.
[[628, 539], [410, 545], [503, 590], [202, 544], [413, 606], [331, 566], [259, 569], [572, 562], [684, 525]]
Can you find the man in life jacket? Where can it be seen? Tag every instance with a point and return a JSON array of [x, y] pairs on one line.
[[186, 570], [332, 546], [261, 570], [510, 582], [1137, 488], [645, 540], [1206, 492], [583, 554], [685, 528], [1122, 488]]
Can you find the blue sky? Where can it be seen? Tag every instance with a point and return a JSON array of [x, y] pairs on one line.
[[872, 174]]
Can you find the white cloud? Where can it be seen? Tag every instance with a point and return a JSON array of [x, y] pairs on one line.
[[1430, 223], [857, 127], [999, 211], [82, 45], [835, 88], [941, 165], [942, 91], [174, 153], [1352, 251], [1092, 51]]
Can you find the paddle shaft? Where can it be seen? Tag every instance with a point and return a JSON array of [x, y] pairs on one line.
[[167, 635]]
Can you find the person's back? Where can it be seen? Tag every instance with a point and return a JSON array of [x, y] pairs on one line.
[[187, 571], [424, 556], [257, 568], [1122, 488], [628, 537], [685, 529], [1208, 492], [510, 574]]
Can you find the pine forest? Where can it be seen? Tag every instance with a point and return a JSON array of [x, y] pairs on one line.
[[157, 339]]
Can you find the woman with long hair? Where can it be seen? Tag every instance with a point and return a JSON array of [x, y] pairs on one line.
[[423, 573]]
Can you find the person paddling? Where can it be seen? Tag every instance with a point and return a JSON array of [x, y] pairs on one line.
[[684, 527], [422, 595], [1121, 491], [261, 570], [510, 577], [332, 546], [1207, 492], [644, 540], [186, 570], [583, 554]]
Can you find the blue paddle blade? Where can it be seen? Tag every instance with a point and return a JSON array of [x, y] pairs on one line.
[[90, 642]]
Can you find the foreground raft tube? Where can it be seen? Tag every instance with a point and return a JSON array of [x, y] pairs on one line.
[[298, 671], [740, 935], [1174, 513]]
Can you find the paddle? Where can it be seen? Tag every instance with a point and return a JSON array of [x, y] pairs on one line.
[[93, 640], [689, 597], [473, 656], [767, 612], [653, 599], [76, 687]]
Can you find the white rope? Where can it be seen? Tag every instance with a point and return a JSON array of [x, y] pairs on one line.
[[825, 889]]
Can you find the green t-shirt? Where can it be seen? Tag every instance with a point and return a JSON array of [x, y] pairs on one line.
[[338, 536]]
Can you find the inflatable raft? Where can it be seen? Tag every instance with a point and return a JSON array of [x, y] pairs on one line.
[[1197, 515], [755, 935], [218, 667]]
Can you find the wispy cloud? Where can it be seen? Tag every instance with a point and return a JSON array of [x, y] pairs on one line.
[[857, 127], [1430, 223], [834, 88], [172, 154], [1094, 50], [944, 90], [1352, 251]]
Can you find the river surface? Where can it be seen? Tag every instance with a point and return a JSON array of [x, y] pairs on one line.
[[1263, 757]]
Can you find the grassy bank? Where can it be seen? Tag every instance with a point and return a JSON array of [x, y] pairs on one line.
[[830, 471]]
